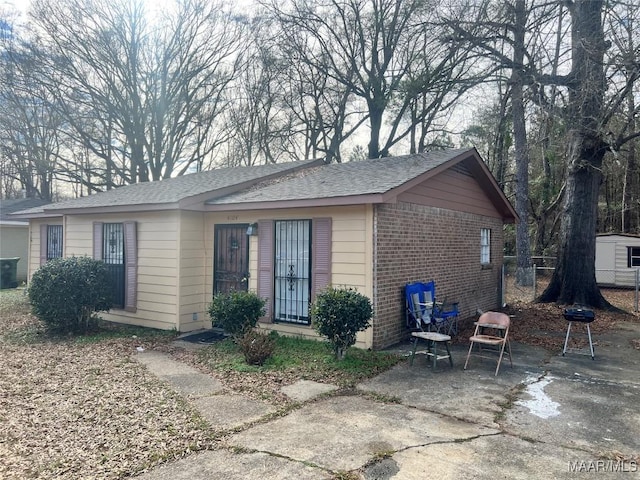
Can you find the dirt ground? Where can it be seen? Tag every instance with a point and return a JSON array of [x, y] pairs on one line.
[[543, 324]]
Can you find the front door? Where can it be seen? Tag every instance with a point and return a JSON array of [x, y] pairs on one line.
[[231, 258]]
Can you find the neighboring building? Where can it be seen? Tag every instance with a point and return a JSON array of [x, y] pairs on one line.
[[14, 233], [288, 230], [617, 259]]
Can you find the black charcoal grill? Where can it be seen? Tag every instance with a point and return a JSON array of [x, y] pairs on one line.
[[582, 315]]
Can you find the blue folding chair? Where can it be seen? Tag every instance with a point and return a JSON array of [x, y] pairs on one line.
[[420, 305], [425, 314], [447, 314]]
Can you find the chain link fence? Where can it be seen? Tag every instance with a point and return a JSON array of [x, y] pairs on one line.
[[620, 287]]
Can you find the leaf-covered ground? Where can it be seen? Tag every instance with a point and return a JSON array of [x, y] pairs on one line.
[[84, 409], [543, 324]]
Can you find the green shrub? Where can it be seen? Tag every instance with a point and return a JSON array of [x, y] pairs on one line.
[[236, 312], [256, 347], [65, 293], [339, 314]]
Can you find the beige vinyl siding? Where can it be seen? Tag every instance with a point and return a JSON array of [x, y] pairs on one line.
[[157, 232], [34, 242], [454, 190], [351, 253], [191, 279], [34, 247]]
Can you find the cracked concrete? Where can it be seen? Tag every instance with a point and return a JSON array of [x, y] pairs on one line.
[[534, 420], [344, 433]]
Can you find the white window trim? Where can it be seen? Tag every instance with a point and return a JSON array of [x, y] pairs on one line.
[[485, 246]]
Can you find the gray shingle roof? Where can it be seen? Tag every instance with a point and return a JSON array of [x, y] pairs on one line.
[[307, 180], [9, 206], [172, 190], [367, 177]]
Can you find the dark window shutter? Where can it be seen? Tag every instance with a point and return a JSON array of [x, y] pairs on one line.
[[321, 249], [97, 240], [43, 243], [265, 266], [131, 266]]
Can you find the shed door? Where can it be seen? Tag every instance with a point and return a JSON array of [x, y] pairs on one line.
[[231, 258], [605, 262]]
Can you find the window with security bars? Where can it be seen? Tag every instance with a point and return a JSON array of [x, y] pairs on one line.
[[54, 241], [113, 257], [292, 272], [485, 246]]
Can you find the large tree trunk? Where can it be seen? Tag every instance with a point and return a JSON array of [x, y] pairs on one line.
[[524, 274], [574, 279], [630, 192]]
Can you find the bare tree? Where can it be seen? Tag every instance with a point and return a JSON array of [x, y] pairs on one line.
[[383, 52], [506, 33], [259, 124], [143, 93], [30, 130]]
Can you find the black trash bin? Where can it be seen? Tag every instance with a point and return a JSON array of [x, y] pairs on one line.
[[9, 272]]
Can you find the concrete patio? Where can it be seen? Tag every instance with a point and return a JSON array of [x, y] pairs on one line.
[[547, 417]]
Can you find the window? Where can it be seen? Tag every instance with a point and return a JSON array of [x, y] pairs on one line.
[[485, 246], [116, 245], [54, 241], [113, 257], [633, 257], [292, 276], [294, 264], [50, 242]]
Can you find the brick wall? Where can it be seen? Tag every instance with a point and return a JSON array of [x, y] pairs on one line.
[[420, 243]]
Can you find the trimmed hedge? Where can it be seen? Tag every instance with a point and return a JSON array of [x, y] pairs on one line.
[[236, 312], [339, 314], [65, 293]]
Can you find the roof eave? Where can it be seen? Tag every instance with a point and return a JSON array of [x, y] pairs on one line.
[[144, 207], [13, 223], [34, 215], [298, 203]]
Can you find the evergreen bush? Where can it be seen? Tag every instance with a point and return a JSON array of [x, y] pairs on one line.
[[236, 312], [339, 314], [66, 293]]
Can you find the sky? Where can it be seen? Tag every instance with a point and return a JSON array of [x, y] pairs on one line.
[[21, 5]]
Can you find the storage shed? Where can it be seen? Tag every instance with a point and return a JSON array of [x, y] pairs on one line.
[[617, 259]]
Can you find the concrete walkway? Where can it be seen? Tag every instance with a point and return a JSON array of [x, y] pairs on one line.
[[547, 417]]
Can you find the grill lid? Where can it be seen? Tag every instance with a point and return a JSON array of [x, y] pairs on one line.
[[579, 314]]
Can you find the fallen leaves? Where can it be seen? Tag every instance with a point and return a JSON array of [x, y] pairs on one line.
[[72, 410]]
